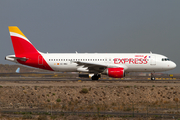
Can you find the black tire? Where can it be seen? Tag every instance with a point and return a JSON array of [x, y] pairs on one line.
[[153, 78], [94, 77]]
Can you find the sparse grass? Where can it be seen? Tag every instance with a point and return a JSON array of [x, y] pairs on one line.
[[47, 95], [27, 116], [42, 117], [90, 89], [113, 104], [70, 103], [53, 117], [35, 87], [127, 86], [153, 85], [1, 86], [84, 90], [127, 109], [53, 94], [87, 115], [48, 100], [58, 100]]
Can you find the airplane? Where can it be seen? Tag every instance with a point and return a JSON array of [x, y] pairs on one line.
[[18, 70], [95, 64]]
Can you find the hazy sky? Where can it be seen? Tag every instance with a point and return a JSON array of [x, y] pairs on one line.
[[94, 26]]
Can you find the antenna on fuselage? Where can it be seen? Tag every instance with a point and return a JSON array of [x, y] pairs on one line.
[[76, 52], [150, 52]]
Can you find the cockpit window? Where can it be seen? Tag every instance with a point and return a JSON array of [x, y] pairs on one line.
[[165, 59]]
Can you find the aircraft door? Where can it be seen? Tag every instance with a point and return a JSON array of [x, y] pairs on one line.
[[40, 60], [153, 60]]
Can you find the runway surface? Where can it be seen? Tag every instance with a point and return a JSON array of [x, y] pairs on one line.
[[127, 114], [56, 81], [82, 79]]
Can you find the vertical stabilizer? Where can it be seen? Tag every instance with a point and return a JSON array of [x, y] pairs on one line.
[[25, 52], [20, 42]]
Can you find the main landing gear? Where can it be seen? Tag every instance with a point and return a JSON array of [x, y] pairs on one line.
[[95, 76], [152, 77]]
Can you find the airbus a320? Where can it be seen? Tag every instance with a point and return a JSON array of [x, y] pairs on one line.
[[112, 64]]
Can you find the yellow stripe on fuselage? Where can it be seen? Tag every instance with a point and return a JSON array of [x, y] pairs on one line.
[[15, 29]]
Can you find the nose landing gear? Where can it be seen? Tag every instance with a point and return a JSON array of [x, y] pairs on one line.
[[153, 77]]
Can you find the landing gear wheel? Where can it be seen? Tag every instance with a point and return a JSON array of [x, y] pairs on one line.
[[95, 76], [152, 77]]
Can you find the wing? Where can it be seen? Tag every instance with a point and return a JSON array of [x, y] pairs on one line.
[[92, 67]]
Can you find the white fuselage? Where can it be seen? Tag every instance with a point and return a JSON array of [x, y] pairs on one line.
[[131, 62]]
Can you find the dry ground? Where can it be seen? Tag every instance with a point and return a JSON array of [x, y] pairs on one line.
[[92, 96]]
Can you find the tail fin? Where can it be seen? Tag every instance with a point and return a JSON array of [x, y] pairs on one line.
[[25, 52], [18, 70], [20, 42]]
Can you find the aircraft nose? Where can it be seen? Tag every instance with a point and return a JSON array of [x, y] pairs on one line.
[[173, 65]]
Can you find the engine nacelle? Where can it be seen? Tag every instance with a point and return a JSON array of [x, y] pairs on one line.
[[115, 72]]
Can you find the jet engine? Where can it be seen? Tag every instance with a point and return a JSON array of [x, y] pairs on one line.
[[115, 72]]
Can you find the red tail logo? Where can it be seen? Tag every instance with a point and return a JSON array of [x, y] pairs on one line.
[[23, 48]]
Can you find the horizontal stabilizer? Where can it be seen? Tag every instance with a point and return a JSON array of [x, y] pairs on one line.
[[14, 59], [19, 58]]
